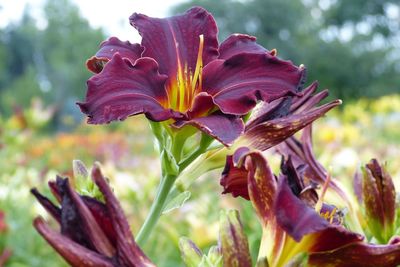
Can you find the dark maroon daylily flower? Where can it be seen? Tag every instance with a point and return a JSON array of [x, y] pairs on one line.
[[293, 223], [92, 233], [179, 72]]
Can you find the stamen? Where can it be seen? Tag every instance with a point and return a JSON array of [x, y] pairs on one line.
[[318, 206], [332, 215], [181, 86], [199, 67]]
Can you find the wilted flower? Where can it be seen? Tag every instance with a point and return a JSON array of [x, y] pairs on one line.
[[180, 72], [272, 123], [296, 221], [92, 233]]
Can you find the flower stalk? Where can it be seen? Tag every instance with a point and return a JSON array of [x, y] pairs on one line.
[[156, 209]]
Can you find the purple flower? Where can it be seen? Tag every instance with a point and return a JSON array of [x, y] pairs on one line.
[[180, 74], [92, 233], [295, 221]]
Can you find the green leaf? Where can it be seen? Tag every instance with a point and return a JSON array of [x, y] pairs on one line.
[[176, 202]]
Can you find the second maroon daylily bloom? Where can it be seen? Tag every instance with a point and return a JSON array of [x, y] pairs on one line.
[[92, 233], [180, 72], [295, 221]]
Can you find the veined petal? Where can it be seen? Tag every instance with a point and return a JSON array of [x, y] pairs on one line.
[[358, 255], [123, 90], [174, 42], [238, 82], [265, 135], [234, 244], [262, 186], [129, 252], [73, 253], [224, 128], [108, 48], [240, 43]]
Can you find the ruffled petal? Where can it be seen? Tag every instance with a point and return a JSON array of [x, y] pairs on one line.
[[123, 90], [174, 42], [73, 253], [239, 43], [238, 82], [224, 128], [108, 48]]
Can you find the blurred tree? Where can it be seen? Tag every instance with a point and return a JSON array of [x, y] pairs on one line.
[[47, 59], [351, 47]]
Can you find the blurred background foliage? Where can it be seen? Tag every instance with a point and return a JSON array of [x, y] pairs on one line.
[[351, 47]]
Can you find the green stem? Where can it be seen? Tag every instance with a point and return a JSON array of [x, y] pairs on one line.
[[190, 159], [156, 209], [204, 144]]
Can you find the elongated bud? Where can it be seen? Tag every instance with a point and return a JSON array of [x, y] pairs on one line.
[[234, 244], [190, 253], [379, 199]]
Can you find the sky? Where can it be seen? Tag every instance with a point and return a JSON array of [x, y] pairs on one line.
[[111, 15]]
